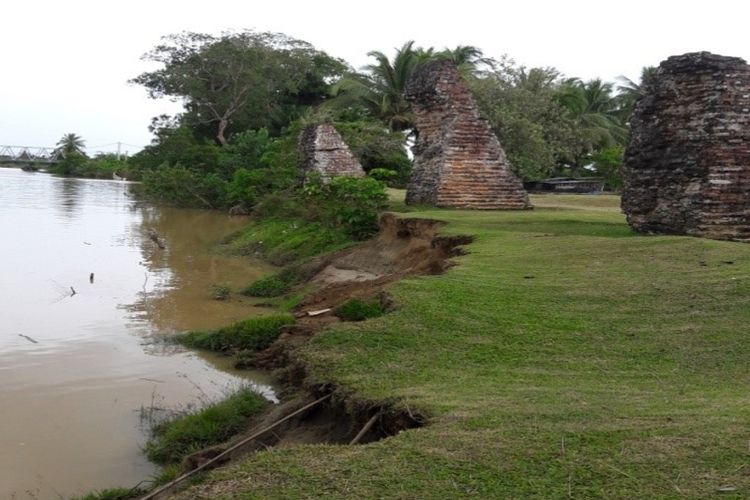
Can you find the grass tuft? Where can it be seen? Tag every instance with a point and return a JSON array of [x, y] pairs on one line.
[[113, 494], [359, 310], [250, 334], [175, 439]]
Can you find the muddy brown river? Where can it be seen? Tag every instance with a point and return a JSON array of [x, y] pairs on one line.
[[81, 374]]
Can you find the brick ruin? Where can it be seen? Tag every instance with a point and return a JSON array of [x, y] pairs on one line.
[[325, 152], [687, 166], [458, 161]]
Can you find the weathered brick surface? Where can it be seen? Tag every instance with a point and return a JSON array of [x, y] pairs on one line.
[[687, 166], [458, 161], [325, 152]]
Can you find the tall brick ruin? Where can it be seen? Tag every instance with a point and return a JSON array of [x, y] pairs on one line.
[[325, 152], [687, 166], [458, 161]]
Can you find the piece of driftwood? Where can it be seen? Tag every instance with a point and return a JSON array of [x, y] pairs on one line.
[[28, 338], [318, 312], [366, 428]]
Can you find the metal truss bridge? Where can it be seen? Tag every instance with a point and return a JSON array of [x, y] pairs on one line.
[[28, 154]]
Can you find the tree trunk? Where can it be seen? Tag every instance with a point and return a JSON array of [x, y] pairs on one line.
[[223, 124]]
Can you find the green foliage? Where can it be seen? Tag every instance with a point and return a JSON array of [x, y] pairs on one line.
[[350, 203], [270, 286], [287, 238], [277, 284], [175, 439], [178, 185], [69, 165], [71, 145], [359, 310], [176, 144], [382, 174], [114, 494], [377, 147], [533, 128], [253, 333], [607, 163], [220, 291], [239, 81]]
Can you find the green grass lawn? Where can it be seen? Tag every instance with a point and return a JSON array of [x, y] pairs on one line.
[[565, 356]]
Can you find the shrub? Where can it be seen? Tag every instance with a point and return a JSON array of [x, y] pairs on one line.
[[278, 284], [254, 333], [183, 186], [270, 286], [350, 203], [359, 310], [220, 292], [175, 439]]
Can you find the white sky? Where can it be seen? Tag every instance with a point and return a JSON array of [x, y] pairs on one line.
[[65, 64]]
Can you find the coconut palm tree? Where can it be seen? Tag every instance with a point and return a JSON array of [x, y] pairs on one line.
[[467, 58], [593, 105], [71, 145], [629, 91], [380, 88]]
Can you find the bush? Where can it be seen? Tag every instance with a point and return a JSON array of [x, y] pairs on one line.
[[220, 292], [278, 284], [270, 286], [350, 203], [359, 310], [254, 333], [175, 439], [178, 185]]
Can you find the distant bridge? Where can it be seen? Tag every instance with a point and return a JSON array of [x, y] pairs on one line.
[[28, 154]]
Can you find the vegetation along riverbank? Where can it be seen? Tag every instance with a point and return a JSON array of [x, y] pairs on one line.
[[435, 353]]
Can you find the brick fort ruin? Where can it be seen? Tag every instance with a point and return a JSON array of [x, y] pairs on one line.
[[687, 165], [458, 161], [325, 152]]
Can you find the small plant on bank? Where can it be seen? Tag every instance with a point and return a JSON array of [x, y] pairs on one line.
[[279, 283], [175, 439], [254, 334], [270, 286], [359, 310], [220, 291]]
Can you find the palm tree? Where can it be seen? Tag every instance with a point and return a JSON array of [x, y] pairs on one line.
[[594, 107], [629, 91], [71, 145], [380, 89], [467, 58]]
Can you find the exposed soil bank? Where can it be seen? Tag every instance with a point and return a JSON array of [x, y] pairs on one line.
[[403, 247]]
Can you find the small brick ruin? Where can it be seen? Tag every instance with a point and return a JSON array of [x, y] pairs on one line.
[[687, 165], [325, 152], [458, 161]]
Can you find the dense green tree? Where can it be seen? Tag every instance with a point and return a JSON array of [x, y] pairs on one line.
[[240, 80], [536, 132]]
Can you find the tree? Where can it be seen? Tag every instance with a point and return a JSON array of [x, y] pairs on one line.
[[71, 145], [534, 129], [629, 92], [239, 80], [380, 88], [595, 110]]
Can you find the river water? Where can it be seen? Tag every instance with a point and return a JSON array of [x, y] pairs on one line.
[[81, 374]]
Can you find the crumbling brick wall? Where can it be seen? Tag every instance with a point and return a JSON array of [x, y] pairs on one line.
[[687, 165], [458, 161], [325, 152]]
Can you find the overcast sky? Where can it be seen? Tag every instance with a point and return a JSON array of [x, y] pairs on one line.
[[65, 64]]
